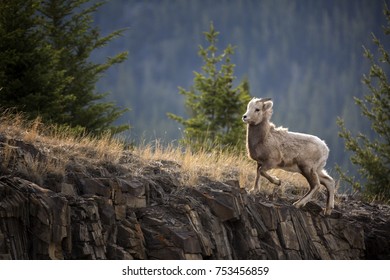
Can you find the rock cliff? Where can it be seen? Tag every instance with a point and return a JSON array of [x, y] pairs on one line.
[[109, 211]]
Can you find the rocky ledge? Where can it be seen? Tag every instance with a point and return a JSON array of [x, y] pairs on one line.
[[110, 212]]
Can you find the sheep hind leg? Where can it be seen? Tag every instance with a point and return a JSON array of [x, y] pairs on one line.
[[314, 182], [329, 183]]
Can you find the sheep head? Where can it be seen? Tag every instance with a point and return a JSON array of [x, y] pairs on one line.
[[258, 110]]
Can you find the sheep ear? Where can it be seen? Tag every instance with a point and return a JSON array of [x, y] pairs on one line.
[[267, 105]]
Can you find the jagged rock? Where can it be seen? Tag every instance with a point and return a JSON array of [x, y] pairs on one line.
[[106, 212], [115, 252], [94, 186], [133, 192]]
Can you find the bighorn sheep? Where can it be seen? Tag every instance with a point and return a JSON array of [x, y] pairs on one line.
[[273, 147]]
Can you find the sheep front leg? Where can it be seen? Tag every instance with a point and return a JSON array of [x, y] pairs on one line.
[[257, 185], [270, 178], [261, 172]]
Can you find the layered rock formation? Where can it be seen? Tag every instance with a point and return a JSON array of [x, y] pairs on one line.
[[109, 211]]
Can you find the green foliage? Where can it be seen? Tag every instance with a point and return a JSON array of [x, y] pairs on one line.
[[45, 63], [28, 76], [373, 155], [214, 105]]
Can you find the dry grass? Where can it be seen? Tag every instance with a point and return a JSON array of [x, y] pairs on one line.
[[60, 142], [216, 165], [219, 166], [51, 147], [59, 145]]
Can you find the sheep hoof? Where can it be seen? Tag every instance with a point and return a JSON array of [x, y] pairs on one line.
[[298, 204], [253, 191], [327, 211]]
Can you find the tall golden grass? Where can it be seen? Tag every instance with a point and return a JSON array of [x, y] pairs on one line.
[[218, 165], [58, 144], [60, 141]]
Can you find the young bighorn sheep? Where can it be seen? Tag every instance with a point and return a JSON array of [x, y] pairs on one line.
[[273, 147]]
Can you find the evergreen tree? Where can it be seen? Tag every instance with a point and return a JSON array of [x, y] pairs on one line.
[[68, 26], [29, 80], [45, 63], [373, 155], [214, 105]]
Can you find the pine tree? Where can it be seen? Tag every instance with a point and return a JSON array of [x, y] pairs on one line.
[[214, 105], [68, 26], [46, 68], [373, 155], [29, 80]]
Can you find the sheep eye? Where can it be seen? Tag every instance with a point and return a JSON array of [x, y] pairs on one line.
[[257, 110]]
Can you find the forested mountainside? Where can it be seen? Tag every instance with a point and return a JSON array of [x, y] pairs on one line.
[[306, 55]]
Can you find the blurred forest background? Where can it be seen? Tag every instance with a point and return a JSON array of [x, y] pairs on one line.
[[307, 55]]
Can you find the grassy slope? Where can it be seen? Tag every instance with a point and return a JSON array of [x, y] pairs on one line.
[[60, 146]]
